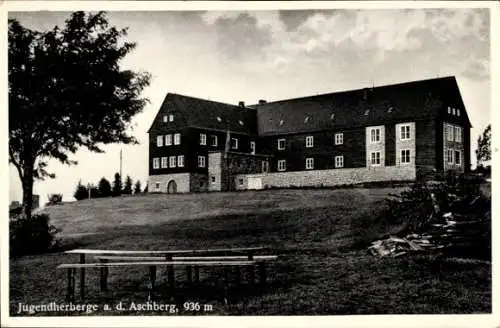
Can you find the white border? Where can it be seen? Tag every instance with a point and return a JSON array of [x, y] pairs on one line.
[[278, 321]]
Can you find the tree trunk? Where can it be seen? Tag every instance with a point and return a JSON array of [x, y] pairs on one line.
[[27, 182]]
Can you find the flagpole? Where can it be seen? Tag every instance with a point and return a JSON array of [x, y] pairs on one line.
[[120, 164]]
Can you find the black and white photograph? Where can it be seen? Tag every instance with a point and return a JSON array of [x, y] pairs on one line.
[[247, 160]]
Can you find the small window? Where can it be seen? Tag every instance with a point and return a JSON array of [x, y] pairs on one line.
[[449, 110], [449, 132], [458, 134], [281, 144], [282, 122], [234, 143], [453, 110], [375, 135], [202, 184], [203, 139], [171, 117], [458, 112], [172, 160], [180, 161], [164, 162], [219, 119], [214, 141], [449, 156], [367, 112], [309, 141], [405, 156], [165, 118], [201, 161], [309, 163], [213, 178], [168, 140], [159, 141], [281, 165], [306, 119], [240, 181], [458, 157], [332, 116], [157, 186], [177, 139], [389, 110], [241, 123], [156, 163], [405, 132], [339, 138], [375, 158], [252, 147], [339, 161]]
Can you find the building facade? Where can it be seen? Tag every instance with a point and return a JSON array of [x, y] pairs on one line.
[[398, 132]]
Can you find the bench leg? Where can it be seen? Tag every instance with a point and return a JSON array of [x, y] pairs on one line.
[[70, 296], [170, 272], [189, 275], [82, 277], [104, 276], [262, 270], [152, 276], [197, 274]]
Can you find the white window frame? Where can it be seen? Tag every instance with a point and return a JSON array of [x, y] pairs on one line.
[[157, 186], [214, 140], [373, 160], [156, 163], [374, 133], [203, 139], [279, 144], [177, 139], [453, 110], [180, 161], [170, 117], [234, 143], [449, 110], [309, 163], [339, 138], [201, 161], [252, 147], [459, 157], [405, 132], [403, 151], [164, 162], [165, 118], [159, 141], [458, 112], [457, 133], [282, 165], [450, 132], [172, 161], [168, 140], [339, 161], [309, 141], [450, 154]]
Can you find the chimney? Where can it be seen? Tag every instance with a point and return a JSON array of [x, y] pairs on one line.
[[262, 101], [241, 104]]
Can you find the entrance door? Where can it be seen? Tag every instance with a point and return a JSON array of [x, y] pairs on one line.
[[172, 187], [254, 183]]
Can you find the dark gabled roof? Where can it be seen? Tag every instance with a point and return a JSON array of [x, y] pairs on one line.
[[211, 114], [410, 101]]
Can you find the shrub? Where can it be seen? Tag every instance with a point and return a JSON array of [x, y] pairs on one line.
[[137, 187], [81, 191], [31, 236], [55, 199], [104, 188]]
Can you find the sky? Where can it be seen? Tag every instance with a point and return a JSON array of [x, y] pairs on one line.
[[246, 56]]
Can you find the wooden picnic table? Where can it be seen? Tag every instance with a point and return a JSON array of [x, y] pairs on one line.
[[168, 255]]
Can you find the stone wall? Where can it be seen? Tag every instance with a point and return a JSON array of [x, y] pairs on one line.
[[329, 177], [181, 179]]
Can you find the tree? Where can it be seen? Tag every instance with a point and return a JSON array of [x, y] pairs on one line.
[[137, 187], [145, 189], [67, 91], [117, 185], [127, 189], [94, 191], [81, 191], [483, 151], [104, 188]]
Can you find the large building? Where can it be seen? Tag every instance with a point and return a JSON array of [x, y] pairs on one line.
[[396, 132]]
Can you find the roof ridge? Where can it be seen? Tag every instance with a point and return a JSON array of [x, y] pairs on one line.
[[354, 90], [208, 100]]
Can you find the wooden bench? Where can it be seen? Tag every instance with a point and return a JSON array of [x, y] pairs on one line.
[[167, 258]]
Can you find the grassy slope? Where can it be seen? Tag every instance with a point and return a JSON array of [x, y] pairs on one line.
[[319, 272]]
